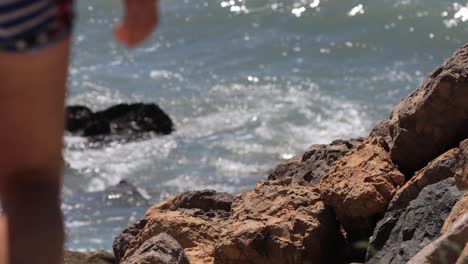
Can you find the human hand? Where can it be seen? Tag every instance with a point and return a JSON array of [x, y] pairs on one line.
[[141, 18]]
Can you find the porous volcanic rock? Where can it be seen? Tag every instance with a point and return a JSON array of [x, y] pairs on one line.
[[120, 120], [360, 185], [448, 248], [276, 224], [194, 225], [461, 174], [160, 249], [432, 120], [458, 210], [122, 241], [310, 167], [402, 233], [441, 168], [205, 200], [97, 257]]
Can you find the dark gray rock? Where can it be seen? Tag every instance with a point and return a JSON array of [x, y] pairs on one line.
[[97, 257], [124, 194], [401, 234], [160, 249], [119, 121], [310, 167]]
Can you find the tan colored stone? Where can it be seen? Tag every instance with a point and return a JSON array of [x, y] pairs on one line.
[[461, 174], [458, 210], [275, 224], [441, 168], [360, 185], [196, 230]]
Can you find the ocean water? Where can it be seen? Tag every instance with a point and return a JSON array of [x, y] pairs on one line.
[[248, 83]]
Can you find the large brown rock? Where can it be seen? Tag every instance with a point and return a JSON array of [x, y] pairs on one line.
[[160, 249], [97, 257], [276, 224], [461, 174], [192, 223], [441, 168], [458, 210], [433, 119], [310, 167], [360, 185], [448, 248]]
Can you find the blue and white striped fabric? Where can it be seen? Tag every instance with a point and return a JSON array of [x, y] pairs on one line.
[[29, 24]]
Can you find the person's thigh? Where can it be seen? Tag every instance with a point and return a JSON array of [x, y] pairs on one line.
[[32, 91]]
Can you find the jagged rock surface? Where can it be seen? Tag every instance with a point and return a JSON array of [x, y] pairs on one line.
[[310, 167], [360, 185], [413, 139], [192, 223], [275, 224], [401, 234], [160, 249], [458, 210], [441, 168], [448, 248]]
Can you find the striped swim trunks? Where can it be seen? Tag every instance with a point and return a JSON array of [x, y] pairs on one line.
[[27, 25]]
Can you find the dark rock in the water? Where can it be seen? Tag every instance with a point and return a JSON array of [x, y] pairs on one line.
[[205, 200], [401, 234], [125, 194], [160, 249], [97, 257], [124, 120], [310, 167], [121, 242], [432, 120]]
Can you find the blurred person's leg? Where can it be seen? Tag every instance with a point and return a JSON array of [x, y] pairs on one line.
[[32, 91]]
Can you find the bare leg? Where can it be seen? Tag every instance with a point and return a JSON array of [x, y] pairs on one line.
[[32, 91]]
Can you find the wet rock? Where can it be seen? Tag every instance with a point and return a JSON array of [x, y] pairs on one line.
[[188, 219], [122, 120], [160, 249], [278, 224], [447, 248], [97, 257], [458, 210], [401, 234], [461, 174], [360, 185], [432, 120], [441, 168], [310, 167]]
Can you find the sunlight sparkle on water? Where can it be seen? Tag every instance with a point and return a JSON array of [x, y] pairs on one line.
[[357, 10]]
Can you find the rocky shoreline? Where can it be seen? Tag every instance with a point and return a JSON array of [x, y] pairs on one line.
[[397, 196]]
